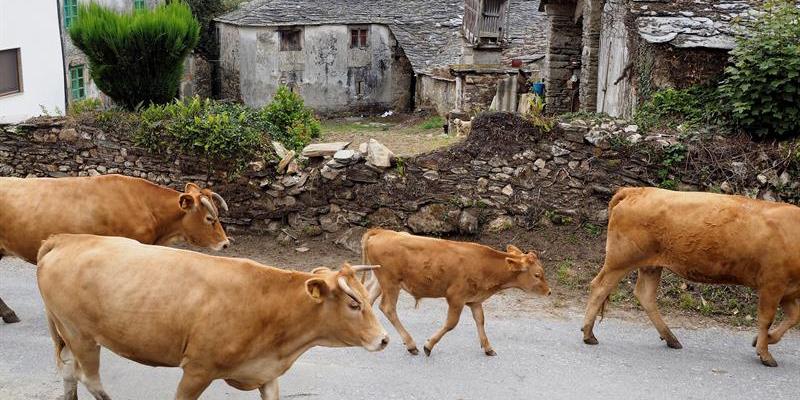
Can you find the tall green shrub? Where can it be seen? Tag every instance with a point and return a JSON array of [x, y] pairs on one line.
[[289, 120], [136, 58], [763, 83]]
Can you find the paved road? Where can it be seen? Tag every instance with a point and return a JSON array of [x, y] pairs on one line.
[[539, 357]]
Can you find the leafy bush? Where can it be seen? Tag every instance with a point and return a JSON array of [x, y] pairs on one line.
[[136, 58], [85, 105], [216, 131], [763, 84], [288, 120], [671, 107], [433, 123]]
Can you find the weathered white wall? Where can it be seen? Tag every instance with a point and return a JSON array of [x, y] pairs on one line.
[[32, 26], [325, 72], [614, 92]]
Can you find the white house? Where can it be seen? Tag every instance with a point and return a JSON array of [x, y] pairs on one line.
[[31, 60]]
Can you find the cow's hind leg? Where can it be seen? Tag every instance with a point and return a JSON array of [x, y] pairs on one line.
[[768, 299], [601, 288], [86, 353], [477, 314], [193, 383], [646, 291], [69, 374], [791, 317], [389, 309], [8, 315], [453, 314]]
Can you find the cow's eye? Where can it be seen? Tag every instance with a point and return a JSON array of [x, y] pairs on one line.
[[354, 306], [210, 220]]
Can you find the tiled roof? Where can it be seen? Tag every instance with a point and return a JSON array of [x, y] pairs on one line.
[[427, 30]]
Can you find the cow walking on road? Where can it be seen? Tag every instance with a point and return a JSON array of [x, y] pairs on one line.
[[702, 237], [111, 205], [214, 317], [463, 273]]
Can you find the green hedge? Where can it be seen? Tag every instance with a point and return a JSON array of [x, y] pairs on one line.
[[136, 58]]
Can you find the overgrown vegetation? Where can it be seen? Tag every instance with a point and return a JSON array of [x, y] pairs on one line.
[[763, 84], [225, 132], [537, 116], [136, 58], [697, 105]]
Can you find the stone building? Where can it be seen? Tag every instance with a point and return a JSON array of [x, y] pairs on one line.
[[605, 55], [360, 55]]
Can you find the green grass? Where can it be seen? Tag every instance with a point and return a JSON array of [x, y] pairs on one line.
[[432, 122]]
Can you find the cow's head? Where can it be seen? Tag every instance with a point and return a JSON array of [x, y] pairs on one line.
[[200, 224], [528, 271], [345, 308]]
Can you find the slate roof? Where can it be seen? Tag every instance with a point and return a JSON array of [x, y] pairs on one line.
[[692, 23], [427, 30]]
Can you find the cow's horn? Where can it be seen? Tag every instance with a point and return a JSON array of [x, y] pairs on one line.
[[357, 268], [347, 289], [206, 202], [320, 270], [221, 201]]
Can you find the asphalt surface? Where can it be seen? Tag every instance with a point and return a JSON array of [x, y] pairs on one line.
[[539, 357]]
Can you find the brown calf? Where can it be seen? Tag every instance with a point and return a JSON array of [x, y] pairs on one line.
[[214, 317], [702, 237], [463, 273], [111, 205]]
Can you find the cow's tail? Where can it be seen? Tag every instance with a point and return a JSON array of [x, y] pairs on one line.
[[58, 342], [368, 277]]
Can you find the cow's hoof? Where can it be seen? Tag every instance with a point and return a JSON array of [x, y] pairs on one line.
[[10, 318], [769, 361], [413, 351], [590, 340], [674, 344], [491, 353], [427, 350]]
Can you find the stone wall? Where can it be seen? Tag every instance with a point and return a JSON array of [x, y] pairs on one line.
[[506, 173], [563, 58]]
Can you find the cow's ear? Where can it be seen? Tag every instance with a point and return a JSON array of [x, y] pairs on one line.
[[515, 265], [320, 270], [191, 187], [317, 289], [186, 201], [513, 249]]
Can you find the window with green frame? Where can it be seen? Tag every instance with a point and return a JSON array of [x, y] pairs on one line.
[[70, 12], [77, 84], [139, 5]]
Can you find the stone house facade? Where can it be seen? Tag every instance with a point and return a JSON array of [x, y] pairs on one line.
[[605, 55], [358, 55]]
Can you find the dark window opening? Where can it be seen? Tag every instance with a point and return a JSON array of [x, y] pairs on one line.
[[10, 74], [359, 88], [358, 38], [290, 40]]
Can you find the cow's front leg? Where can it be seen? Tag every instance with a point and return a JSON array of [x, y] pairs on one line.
[[453, 314], [646, 291], [477, 314], [7, 314], [768, 299], [269, 390]]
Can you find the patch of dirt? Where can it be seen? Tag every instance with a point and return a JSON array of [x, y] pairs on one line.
[[405, 135]]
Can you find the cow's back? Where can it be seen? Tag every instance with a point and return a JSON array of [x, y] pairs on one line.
[[33, 209], [704, 237]]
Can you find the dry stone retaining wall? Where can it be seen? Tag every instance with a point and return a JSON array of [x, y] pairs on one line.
[[505, 174]]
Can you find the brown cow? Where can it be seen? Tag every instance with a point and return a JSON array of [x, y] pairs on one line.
[[112, 205], [702, 237], [464, 273], [214, 317]]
